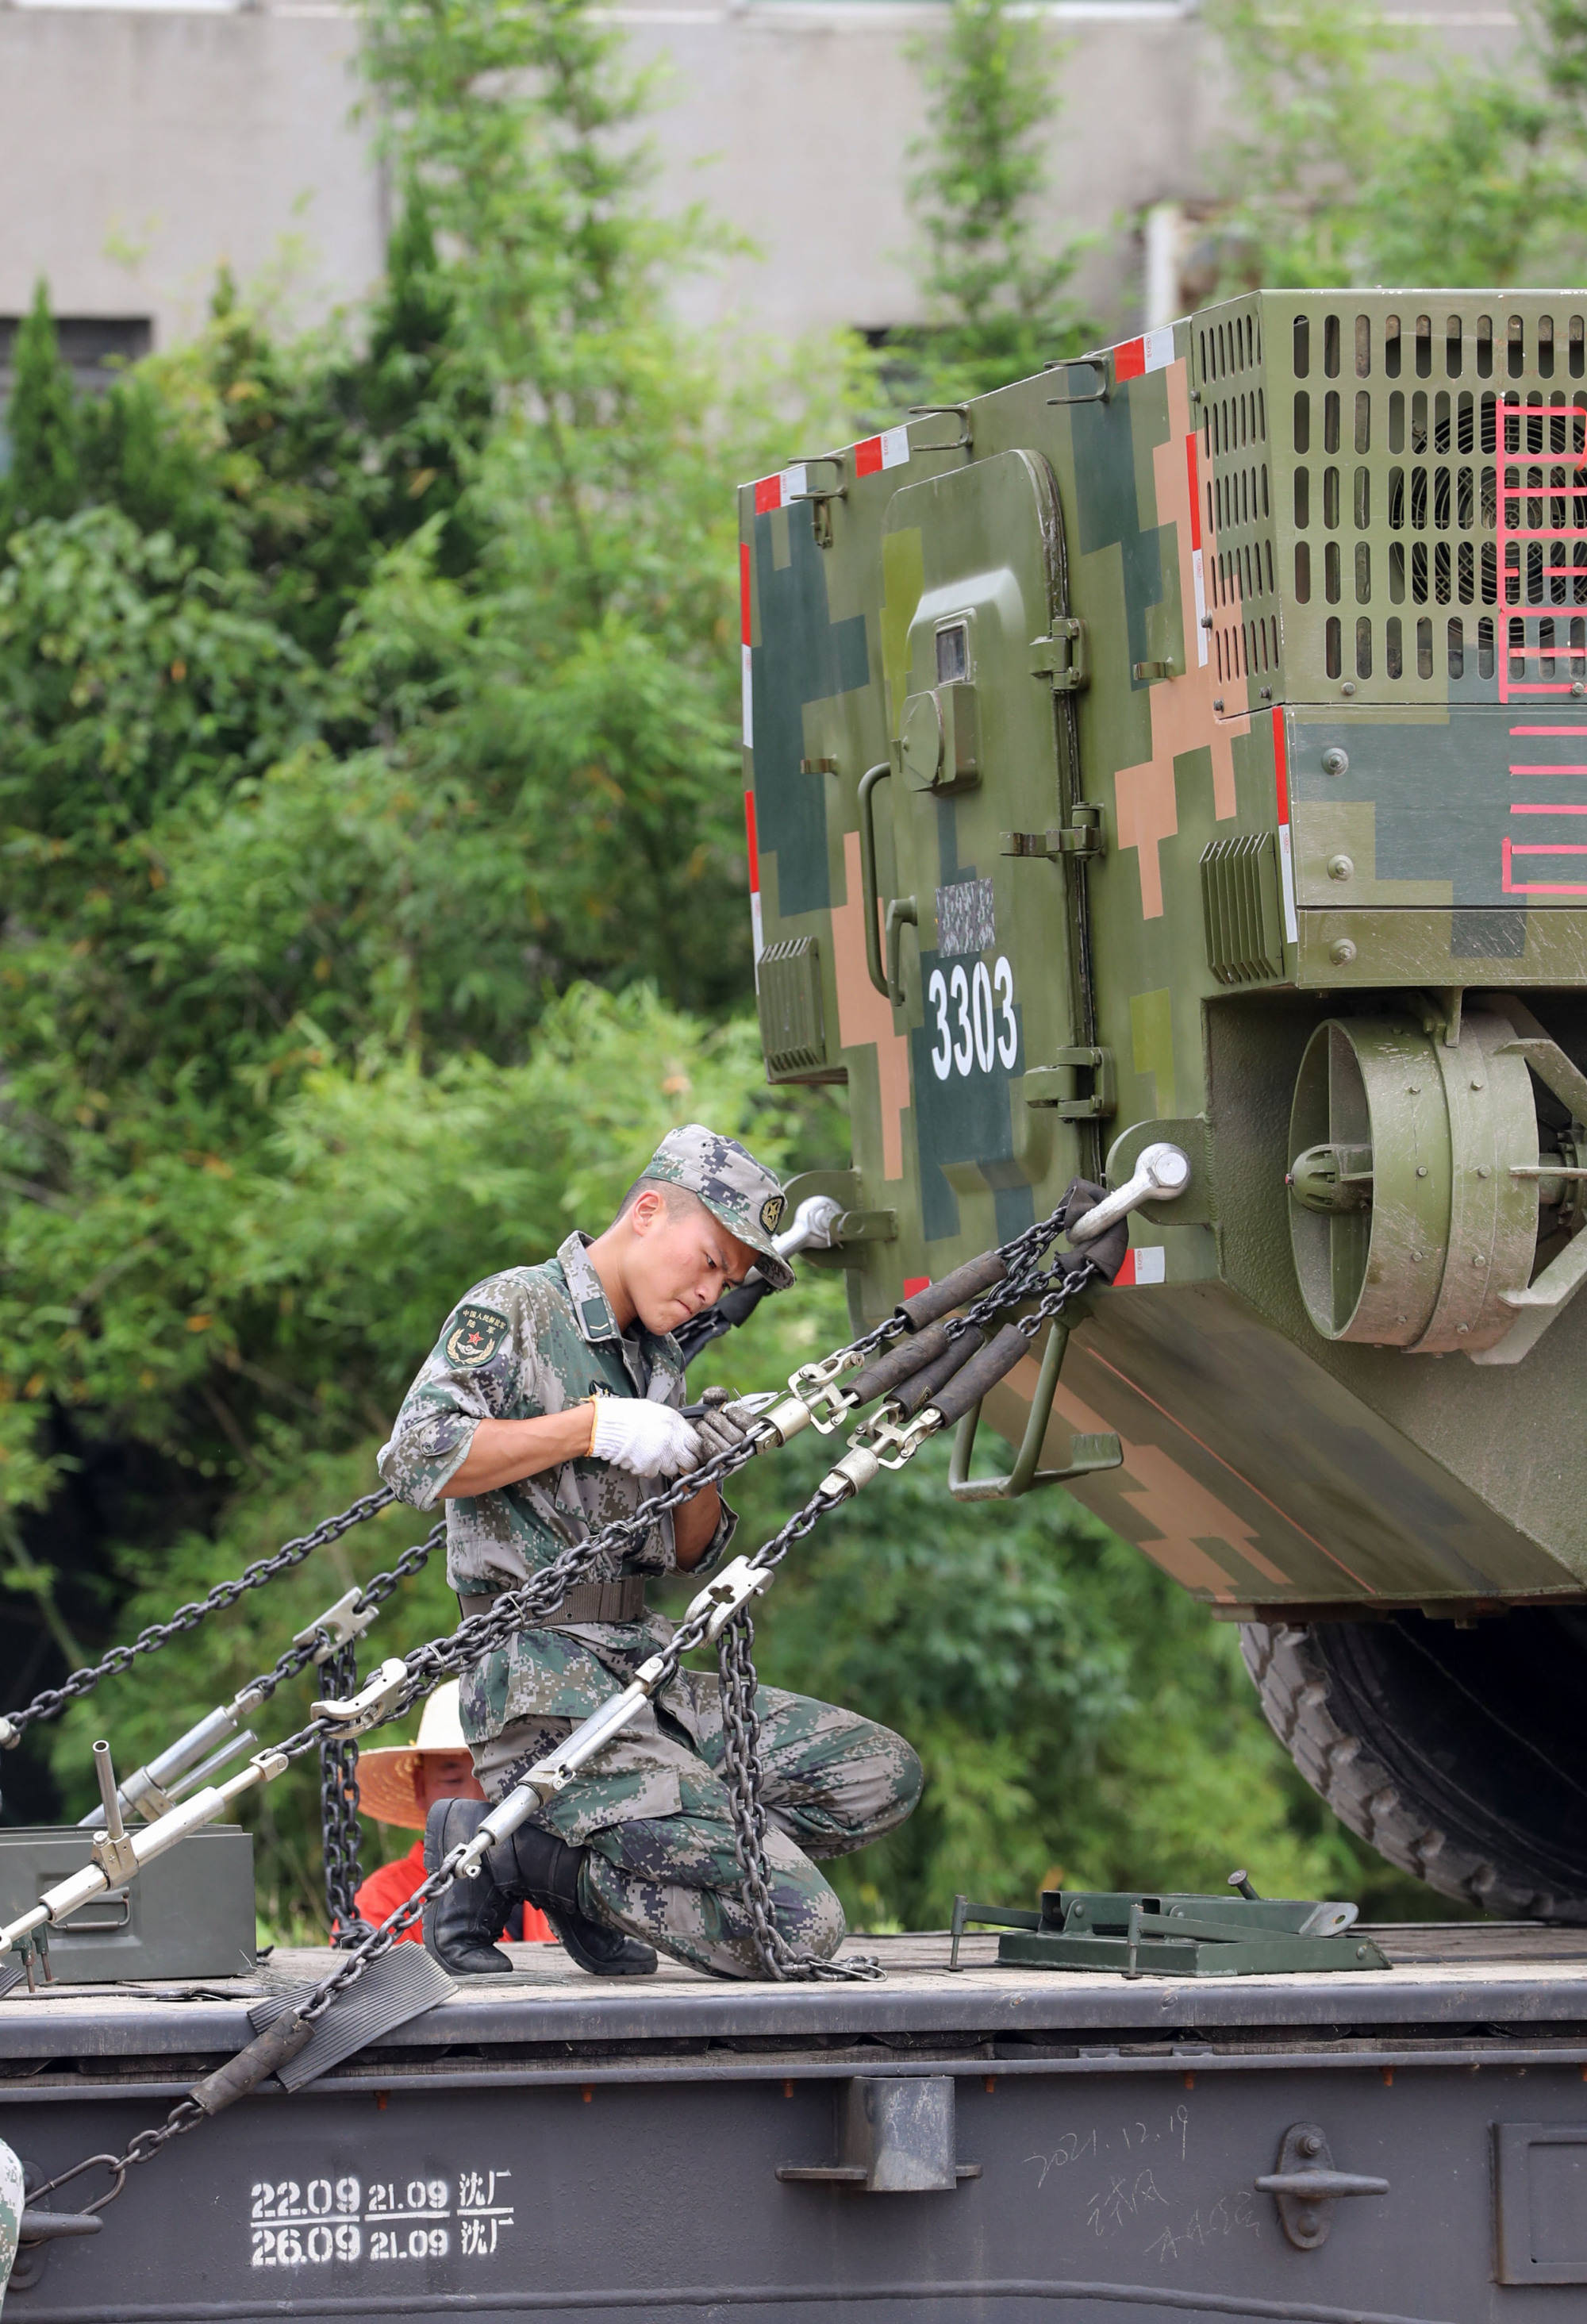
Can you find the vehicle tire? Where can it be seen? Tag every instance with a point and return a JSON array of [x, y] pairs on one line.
[[1460, 1755]]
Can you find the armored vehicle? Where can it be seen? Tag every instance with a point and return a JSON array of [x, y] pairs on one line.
[[1190, 744]]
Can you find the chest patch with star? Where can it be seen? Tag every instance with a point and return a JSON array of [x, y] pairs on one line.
[[474, 1336]]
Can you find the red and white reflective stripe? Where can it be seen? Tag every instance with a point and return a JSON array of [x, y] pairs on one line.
[[1286, 853], [1154, 352], [1198, 569], [890, 449], [777, 492], [744, 645], [754, 877], [1147, 1265]]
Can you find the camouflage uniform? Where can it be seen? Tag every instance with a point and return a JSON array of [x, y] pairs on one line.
[[652, 1809]]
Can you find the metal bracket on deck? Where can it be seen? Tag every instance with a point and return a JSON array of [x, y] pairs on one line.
[[896, 2136]]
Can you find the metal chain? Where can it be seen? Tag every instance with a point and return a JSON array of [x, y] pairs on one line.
[[185, 2115], [391, 1930], [688, 1635], [745, 1777], [529, 1604], [341, 1833], [374, 1594], [738, 1681], [533, 1601], [746, 1773], [53, 1699], [1063, 1283]]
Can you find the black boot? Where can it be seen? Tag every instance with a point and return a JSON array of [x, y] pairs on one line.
[[463, 1922], [533, 1863]]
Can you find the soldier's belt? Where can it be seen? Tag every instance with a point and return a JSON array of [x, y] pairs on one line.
[[589, 1602]]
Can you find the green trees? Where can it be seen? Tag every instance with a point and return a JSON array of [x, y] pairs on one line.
[[1360, 154], [996, 261], [45, 477], [362, 695]]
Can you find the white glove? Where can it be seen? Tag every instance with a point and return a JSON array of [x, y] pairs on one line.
[[650, 1439]]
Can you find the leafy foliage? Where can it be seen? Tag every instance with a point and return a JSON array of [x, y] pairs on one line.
[[1361, 155], [358, 697], [995, 269], [44, 478]]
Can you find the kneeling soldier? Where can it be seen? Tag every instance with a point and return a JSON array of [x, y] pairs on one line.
[[549, 1408]]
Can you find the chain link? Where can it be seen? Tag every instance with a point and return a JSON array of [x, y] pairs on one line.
[[535, 1600], [482, 1634], [53, 1699], [370, 1946], [185, 2115], [374, 1594], [341, 1833], [746, 1779]]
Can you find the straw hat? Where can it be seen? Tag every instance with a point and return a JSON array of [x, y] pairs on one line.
[[389, 1781]]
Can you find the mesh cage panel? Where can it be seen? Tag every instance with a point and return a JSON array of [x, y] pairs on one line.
[[1429, 478]]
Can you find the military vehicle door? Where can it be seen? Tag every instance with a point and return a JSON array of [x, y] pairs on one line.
[[977, 948]]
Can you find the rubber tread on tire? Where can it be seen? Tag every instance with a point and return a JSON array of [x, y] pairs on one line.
[[1458, 1754]]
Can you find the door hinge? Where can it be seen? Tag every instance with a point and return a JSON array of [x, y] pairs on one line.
[[1083, 836], [1062, 659], [1080, 1083]]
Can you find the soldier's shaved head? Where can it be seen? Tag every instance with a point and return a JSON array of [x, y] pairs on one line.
[[675, 1200]]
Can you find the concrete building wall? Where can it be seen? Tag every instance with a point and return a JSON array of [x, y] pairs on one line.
[[796, 121], [141, 146], [139, 149]]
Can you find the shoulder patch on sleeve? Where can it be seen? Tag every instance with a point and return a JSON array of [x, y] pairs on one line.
[[474, 1336]]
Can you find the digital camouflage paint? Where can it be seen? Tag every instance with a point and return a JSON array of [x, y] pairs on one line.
[[1190, 743]]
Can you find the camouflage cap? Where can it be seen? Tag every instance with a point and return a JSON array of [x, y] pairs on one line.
[[733, 1185]]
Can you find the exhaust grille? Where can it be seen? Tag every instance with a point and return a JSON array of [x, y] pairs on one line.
[[792, 1022], [1240, 906]]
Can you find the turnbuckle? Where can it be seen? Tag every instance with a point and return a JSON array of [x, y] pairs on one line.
[[781, 1421], [815, 1386], [186, 1762], [891, 1443], [555, 1772], [849, 1475]]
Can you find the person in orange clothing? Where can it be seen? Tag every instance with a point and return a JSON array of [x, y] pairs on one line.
[[400, 1786]]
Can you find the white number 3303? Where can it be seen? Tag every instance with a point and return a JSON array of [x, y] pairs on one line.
[[975, 1018]]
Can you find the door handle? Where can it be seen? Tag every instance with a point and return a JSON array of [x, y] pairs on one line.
[[872, 899], [901, 914], [1306, 2186]]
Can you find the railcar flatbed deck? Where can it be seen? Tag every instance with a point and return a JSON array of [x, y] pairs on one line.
[[553, 2145]]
